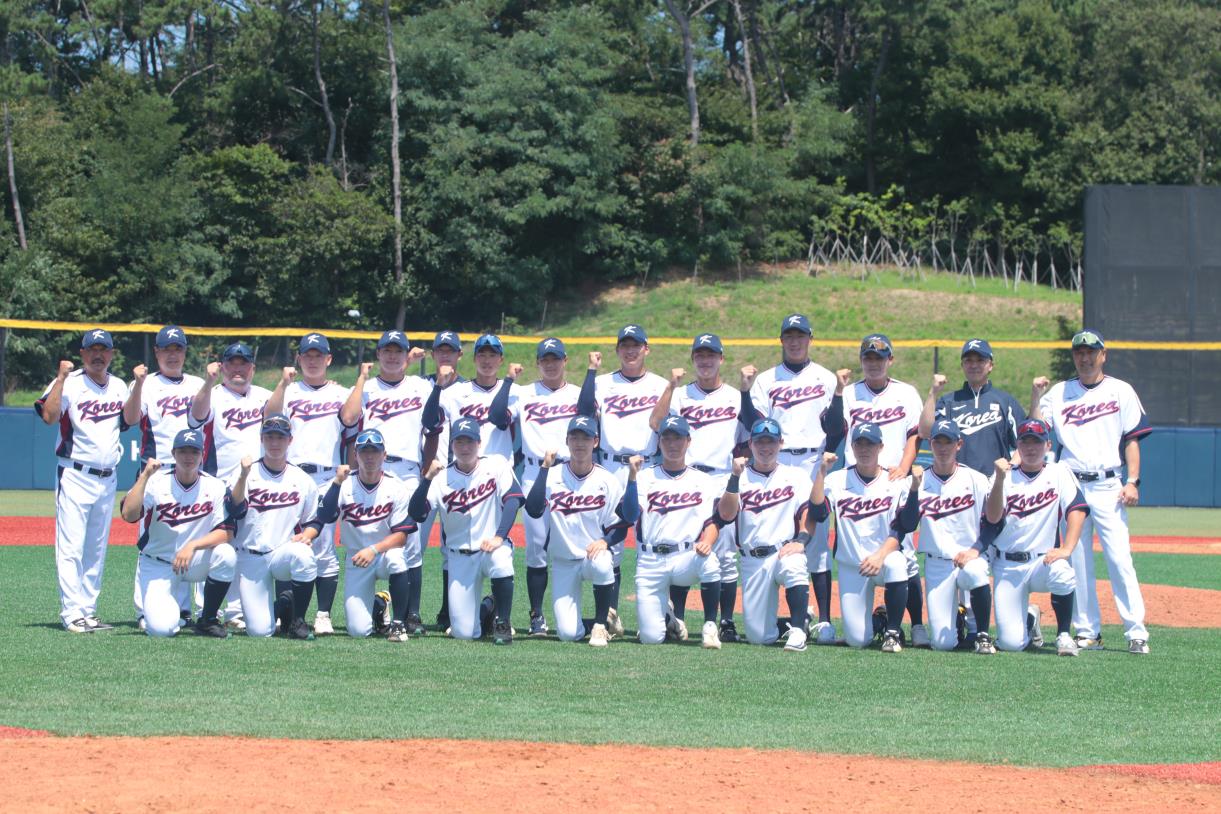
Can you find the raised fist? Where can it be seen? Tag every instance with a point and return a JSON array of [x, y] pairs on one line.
[[415, 356], [917, 477], [1003, 465], [828, 461], [1040, 385], [939, 381], [843, 378], [245, 465], [549, 458], [65, 367], [635, 462], [341, 474], [446, 375], [749, 372], [151, 466], [595, 359], [139, 372], [515, 370], [288, 374], [739, 465], [434, 469], [213, 371], [676, 376], [365, 369]]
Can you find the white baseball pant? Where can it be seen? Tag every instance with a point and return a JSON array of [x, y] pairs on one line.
[[566, 578], [160, 586], [818, 550], [466, 575], [360, 585], [856, 595], [535, 527], [324, 543], [1109, 518], [1015, 581], [655, 573], [942, 582], [256, 581], [761, 576], [84, 506]]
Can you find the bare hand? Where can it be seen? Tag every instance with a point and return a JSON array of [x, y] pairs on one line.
[[434, 469], [739, 465], [898, 473], [415, 356], [676, 376], [939, 381], [446, 375], [549, 458], [1040, 385], [490, 544], [965, 556], [365, 369], [1055, 554], [515, 370], [917, 477], [634, 463], [1129, 495], [245, 465], [364, 558], [213, 372], [828, 461], [150, 467], [789, 549], [1002, 465], [65, 367], [182, 560], [595, 359], [749, 372], [287, 375], [341, 474], [704, 546], [871, 566], [139, 372], [595, 548], [301, 537], [843, 378]]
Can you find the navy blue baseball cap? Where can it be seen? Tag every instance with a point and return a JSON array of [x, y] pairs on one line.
[[765, 428], [675, 424], [97, 337], [1088, 339], [877, 343], [945, 428], [585, 424], [370, 438], [277, 424], [867, 432], [796, 322], [393, 338], [171, 335], [979, 346], [447, 338], [551, 347], [490, 341], [710, 342], [314, 341], [633, 332], [1034, 428], [465, 427], [190, 439], [237, 350]]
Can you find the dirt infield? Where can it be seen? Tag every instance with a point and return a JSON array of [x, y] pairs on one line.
[[168, 774]]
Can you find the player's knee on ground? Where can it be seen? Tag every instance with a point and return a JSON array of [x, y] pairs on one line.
[[571, 629], [652, 630], [223, 563], [1011, 637], [858, 632], [359, 617], [161, 617], [973, 575]]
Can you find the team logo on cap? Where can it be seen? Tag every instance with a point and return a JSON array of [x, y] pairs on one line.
[[189, 436], [705, 339], [582, 422], [671, 423], [549, 343], [629, 330], [794, 320], [394, 335], [173, 333], [98, 335], [974, 344], [946, 426]]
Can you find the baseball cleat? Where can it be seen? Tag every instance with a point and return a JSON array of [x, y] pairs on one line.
[[710, 637], [381, 612], [236, 623], [920, 636], [212, 628], [729, 632], [614, 625], [322, 624], [1065, 646], [141, 625], [443, 622], [1089, 643], [397, 632], [1033, 626], [599, 636], [891, 642], [502, 633], [184, 618], [415, 625], [984, 645], [299, 630], [97, 624], [796, 641], [823, 633], [1138, 647], [78, 626], [960, 624], [538, 625]]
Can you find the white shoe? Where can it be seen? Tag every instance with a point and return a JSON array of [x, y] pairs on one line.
[[920, 636], [322, 624], [711, 635], [237, 623], [984, 645], [78, 626], [676, 629], [599, 636], [1065, 646], [614, 625], [1033, 617], [823, 633], [796, 641], [1138, 647], [890, 642]]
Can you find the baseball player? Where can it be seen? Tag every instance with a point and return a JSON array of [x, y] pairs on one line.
[[866, 504], [488, 399], [160, 405], [676, 531], [804, 400], [188, 523], [314, 406], [272, 545], [718, 417], [949, 515], [546, 406], [393, 404], [378, 535], [1099, 420], [623, 401], [771, 514], [87, 407], [895, 407], [238, 404], [587, 512], [476, 500], [1031, 498]]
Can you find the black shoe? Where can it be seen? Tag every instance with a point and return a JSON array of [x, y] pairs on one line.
[[487, 609], [960, 626], [443, 622], [381, 612], [415, 625], [879, 623], [284, 612], [729, 632], [298, 629], [211, 627], [184, 618], [503, 634], [538, 625]]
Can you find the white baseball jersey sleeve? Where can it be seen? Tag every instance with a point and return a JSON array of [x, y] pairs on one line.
[[715, 421], [174, 515], [797, 401], [951, 510], [165, 410], [469, 505], [90, 419], [318, 431], [625, 406], [864, 512], [896, 411], [545, 414], [1034, 506], [232, 429], [579, 510], [396, 409], [278, 505], [1093, 423], [675, 509], [471, 400], [773, 506]]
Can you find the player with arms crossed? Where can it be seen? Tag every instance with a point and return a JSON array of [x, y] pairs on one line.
[[188, 523], [1098, 418], [271, 542], [1030, 499], [866, 504], [314, 406], [771, 514], [87, 407], [589, 512], [476, 500]]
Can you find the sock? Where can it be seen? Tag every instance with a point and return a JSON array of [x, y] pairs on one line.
[[678, 595], [400, 587], [729, 598], [1062, 604], [896, 602], [799, 601], [445, 593], [502, 596], [301, 593], [284, 609], [981, 605], [822, 594], [536, 587], [915, 601], [602, 602], [327, 587], [415, 582], [214, 594], [614, 600], [710, 595]]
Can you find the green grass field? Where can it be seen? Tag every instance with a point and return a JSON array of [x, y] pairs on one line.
[[1028, 708]]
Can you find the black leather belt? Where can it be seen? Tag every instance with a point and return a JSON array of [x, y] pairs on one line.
[[465, 552], [158, 559], [89, 470], [702, 468], [393, 459], [1090, 477], [621, 459], [1021, 556], [800, 450], [314, 469], [256, 553], [539, 461], [759, 552], [666, 548]]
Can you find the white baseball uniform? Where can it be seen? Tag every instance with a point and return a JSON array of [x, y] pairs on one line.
[[232, 429], [545, 414], [470, 399], [396, 409], [165, 410]]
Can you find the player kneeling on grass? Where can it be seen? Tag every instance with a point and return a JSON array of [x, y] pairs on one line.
[[377, 532], [587, 512], [771, 517], [272, 543], [1030, 500], [866, 505], [476, 500], [949, 515], [189, 523]]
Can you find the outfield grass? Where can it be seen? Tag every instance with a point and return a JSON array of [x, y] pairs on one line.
[[1030, 708]]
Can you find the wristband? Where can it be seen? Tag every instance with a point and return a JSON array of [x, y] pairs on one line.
[[732, 486]]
